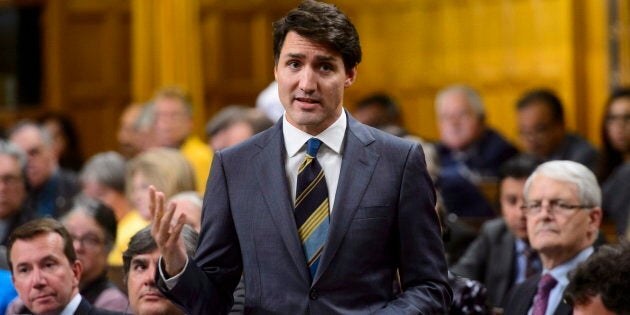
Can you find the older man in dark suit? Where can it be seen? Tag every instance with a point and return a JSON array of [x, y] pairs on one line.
[[563, 210], [321, 228]]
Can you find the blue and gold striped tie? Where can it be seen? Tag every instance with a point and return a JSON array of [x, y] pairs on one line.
[[311, 206]]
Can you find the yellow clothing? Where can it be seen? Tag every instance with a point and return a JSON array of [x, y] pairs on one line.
[[199, 155], [128, 225]]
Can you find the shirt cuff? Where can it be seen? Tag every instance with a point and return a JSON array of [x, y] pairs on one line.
[[172, 281]]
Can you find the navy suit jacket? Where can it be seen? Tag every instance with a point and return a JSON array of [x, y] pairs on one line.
[[522, 297], [383, 220]]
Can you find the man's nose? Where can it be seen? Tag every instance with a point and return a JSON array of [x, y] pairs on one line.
[[149, 276], [38, 279], [308, 80]]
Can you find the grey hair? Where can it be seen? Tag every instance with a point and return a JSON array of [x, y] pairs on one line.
[[107, 168], [12, 150], [572, 172], [473, 97], [190, 196], [25, 123]]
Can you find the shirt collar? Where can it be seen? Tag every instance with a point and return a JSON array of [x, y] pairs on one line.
[[72, 306], [560, 272], [332, 137]]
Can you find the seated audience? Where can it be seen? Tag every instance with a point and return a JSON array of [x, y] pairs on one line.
[[103, 178], [173, 128], [13, 210], [501, 256], [378, 110], [614, 167], [235, 124], [563, 211], [65, 140], [469, 151], [46, 272], [543, 133], [164, 168], [51, 188], [92, 226], [190, 203], [600, 285], [140, 261]]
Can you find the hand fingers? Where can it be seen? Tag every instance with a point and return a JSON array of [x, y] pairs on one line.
[[164, 228], [176, 230], [152, 200]]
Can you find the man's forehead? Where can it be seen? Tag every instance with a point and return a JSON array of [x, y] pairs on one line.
[[36, 248], [147, 257], [560, 188]]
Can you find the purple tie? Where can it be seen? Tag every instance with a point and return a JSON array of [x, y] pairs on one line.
[[547, 282]]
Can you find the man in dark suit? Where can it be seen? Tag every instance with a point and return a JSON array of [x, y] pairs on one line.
[[543, 133], [373, 201], [469, 151], [563, 211], [500, 257], [45, 270]]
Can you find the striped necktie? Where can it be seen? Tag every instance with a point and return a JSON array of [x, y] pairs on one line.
[[311, 206]]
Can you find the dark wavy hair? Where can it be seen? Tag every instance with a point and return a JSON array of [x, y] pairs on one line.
[[605, 273], [322, 23], [610, 157]]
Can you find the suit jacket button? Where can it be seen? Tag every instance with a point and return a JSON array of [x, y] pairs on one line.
[[313, 294]]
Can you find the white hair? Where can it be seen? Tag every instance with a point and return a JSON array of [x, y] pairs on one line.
[[572, 172], [473, 97]]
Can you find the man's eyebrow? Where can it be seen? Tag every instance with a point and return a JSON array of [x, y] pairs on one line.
[[138, 260], [295, 55]]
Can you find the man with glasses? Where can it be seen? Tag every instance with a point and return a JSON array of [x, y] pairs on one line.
[[563, 212], [542, 130], [13, 212]]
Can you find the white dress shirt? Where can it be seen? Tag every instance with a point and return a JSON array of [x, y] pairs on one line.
[[72, 306], [329, 154]]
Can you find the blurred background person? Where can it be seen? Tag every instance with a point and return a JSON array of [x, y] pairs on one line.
[[268, 101], [599, 285], [164, 168], [51, 188], [377, 110], [470, 152], [13, 210], [543, 133], [235, 124], [65, 138], [129, 135], [92, 226], [104, 178], [614, 167], [501, 257], [173, 128], [190, 203]]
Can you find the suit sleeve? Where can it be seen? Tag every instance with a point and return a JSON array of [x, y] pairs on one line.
[[422, 262], [207, 283], [473, 263]]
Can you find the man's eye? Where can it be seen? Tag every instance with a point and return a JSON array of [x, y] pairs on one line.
[[293, 64], [139, 267], [326, 67]]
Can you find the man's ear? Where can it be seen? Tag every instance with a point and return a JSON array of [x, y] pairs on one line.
[[351, 76], [77, 269]]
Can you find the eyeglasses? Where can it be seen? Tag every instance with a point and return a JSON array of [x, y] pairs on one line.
[[10, 179], [554, 206], [87, 241]]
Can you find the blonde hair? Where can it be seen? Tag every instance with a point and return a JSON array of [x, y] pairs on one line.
[[164, 168]]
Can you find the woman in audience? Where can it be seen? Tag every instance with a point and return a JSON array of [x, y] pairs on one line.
[[92, 226], [166, 169], [614, 170]]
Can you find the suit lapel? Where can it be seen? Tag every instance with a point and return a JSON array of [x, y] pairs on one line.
[[272, 180], [357, 167]]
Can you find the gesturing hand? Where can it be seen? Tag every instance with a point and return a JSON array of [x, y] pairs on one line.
[[166, 233]]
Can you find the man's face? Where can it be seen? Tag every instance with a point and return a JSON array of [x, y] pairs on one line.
[[459, 124], [96, 190], [593, 306], [618, 124], [563, 233], [232, 135], [41, 159], [128, 136], [540, 134], [89, 244], [12, 190], [42, 275], [311, 82], [511, 201], [144, 296], [172, 122]]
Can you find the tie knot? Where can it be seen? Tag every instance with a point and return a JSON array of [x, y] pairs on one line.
[[312, 145], [547, 282]]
